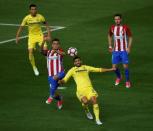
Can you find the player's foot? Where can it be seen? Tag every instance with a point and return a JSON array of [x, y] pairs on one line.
[[89, 115], [60, 104], [49, 100], [128, 84], [117, 81], [98, 122], [36, 72]]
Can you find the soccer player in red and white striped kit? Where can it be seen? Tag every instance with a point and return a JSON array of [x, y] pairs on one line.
[[55, 69], [121, 35]]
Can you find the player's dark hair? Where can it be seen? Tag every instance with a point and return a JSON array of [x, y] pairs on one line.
[[32, 5], [76, 57], [56, 39], [119, 15]]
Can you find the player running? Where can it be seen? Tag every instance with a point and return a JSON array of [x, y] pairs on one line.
[[85, 91], [34, 22], [55, 70], [122, 37]]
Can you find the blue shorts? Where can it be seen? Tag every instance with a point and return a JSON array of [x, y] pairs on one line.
[[54, 83], [120, 57]]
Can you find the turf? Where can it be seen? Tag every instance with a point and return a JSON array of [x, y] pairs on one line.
[[22, 95]]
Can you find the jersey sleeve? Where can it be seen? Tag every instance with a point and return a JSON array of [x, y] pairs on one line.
[[93, 69], [24, 21], [68, 75], [42, 19]]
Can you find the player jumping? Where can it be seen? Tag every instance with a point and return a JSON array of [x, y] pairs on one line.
[[55, 70], [122, 47], [85, 91], [34, 22]]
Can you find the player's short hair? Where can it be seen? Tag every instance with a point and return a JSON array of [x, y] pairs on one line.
[[76, 57], [32, 5], [120, 15], [56, 39]]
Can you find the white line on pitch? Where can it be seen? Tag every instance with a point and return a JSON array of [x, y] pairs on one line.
[[16, 25], [61, 88], [22, 37], [4, 24]]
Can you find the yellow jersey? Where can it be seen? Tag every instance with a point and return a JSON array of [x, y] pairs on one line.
[[34, 24], [81, 76]]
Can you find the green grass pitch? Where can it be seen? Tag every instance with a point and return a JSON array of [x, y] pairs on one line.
[[22, 95]]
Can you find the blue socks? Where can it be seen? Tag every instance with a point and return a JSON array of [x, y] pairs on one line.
[[127, 74], [117, 72]]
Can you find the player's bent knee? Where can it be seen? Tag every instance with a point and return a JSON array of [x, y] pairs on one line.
[[94, 100], [84, 100], [30, 51], [125, 66]]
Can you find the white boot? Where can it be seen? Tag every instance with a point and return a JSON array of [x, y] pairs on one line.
[[98, 122], [89, 115], [36, 72]]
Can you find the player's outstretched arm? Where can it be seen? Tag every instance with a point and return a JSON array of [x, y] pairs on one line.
[[66, 78], [18, 33], [93, 69], [48, 31], [43, 50], [107, 69]]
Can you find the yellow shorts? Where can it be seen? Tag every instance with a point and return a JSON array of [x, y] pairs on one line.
[[86, 92], [35, 39]]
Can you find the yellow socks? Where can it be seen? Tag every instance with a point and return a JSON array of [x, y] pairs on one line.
[[32, 60], [96, 111]]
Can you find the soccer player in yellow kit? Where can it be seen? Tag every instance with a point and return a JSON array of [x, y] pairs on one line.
[[34, 22], [85, 91]]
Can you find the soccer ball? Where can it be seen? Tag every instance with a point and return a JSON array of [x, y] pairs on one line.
[[72, 51]]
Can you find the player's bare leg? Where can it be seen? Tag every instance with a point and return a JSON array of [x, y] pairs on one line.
[[96, 110], [84, 101], [32, 61], [128, 83], [118, 75]]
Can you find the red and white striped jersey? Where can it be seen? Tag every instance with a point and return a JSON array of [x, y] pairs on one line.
[[54, 62], [120, 34]]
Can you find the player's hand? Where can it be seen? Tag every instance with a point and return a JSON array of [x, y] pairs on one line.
[[128, 50], [17, 40], [61, 82], [114, 68], [110, 49]]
